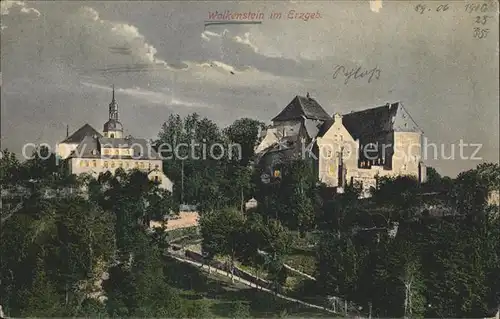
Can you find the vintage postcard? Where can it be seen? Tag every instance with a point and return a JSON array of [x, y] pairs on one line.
[[250, 159]]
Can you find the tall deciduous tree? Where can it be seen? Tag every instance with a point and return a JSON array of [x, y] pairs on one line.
[[222, 233]]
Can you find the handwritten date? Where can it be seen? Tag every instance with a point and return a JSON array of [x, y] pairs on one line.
[[482, 19], [421, 8], [478, 7]]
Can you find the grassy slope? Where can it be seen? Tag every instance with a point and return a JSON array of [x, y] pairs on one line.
[[194, 284]]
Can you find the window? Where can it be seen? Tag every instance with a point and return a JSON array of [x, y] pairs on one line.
[[112, 135], [94, 163], [136, 164], [277, 173], [331, 170], [120, 164], [142, 165], [117, 152], [126, 164], [156, 179], [105, 164], [112, 164], [156, 166], [106, 152], [82, 163]]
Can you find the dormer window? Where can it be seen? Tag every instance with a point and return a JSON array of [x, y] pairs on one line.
[[94, 152]]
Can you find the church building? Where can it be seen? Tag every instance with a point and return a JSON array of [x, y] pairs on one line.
[[88, 151]]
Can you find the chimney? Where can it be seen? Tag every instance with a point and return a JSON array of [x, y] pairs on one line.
[[67, 130], [337, 117], [308, 96]]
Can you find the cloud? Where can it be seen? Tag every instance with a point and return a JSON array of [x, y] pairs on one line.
[[246, 40], [207, 35], [375, 5], [7, 5], [154, 97]]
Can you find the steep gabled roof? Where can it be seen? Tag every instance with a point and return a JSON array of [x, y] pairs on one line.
[[88, 148], [325, 127], [91, 147], [371, 121], [80, 134], [302, 106]]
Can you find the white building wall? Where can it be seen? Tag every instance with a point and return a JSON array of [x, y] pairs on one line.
[[96, 166], [63, 150], [406, 158]]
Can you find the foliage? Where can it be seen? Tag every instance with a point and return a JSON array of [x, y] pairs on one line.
[[55, 248], [446, 267], [294, 199], [244, 132]]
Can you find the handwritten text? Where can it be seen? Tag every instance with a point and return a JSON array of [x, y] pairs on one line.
[[356, 73]]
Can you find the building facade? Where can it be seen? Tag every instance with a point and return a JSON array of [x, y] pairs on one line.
[[362, 146], [90, 152], [295, 127], [354, 147]]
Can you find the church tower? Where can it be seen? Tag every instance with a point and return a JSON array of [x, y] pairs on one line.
[[113, 128]]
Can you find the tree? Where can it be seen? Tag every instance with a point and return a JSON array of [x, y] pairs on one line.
[[196, 174], [469, 194], [240, 309], [291, 200], [222, 234], [433, 177], [400, 193], [338, 266], [244, 132], [9, 168], [277, 241]]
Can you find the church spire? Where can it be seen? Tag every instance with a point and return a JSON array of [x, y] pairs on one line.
[[113, 107]]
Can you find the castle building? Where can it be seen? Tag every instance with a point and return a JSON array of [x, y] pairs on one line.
[[88, 151], [355, 147], [295, 127]]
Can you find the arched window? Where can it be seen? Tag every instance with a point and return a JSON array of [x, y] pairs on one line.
[[112, 135]]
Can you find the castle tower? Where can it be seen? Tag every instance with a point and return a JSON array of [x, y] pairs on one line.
[[113, 128]]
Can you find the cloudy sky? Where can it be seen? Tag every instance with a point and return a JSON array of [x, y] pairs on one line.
[[59, 59]]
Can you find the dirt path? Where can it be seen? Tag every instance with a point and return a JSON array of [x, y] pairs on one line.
[[248, 283]]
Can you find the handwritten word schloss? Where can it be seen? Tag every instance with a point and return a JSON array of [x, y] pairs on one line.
[[356, 73]]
